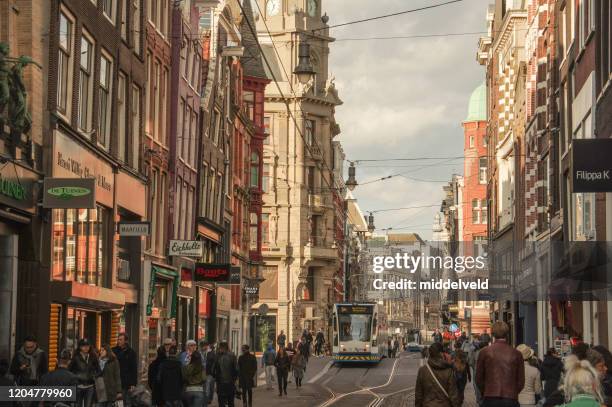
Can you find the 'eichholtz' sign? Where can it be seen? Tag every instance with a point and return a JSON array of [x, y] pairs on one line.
[[187, 248], [591, 165]]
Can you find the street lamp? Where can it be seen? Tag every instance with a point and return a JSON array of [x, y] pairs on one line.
[[304, 69], [351, 182], [371, 227]]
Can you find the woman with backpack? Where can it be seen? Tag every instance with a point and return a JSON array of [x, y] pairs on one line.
[[436, 385]]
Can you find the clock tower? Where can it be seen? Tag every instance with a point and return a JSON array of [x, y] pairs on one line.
[[303, 203]]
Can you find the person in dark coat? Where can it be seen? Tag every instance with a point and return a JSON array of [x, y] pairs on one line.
[[606, 380], [194, 377], [111, 375], [247, 371], [551, 370], [128, 363], [61, 376], [170, 379], [30, 363], [283, 365], [5, 380], [211, 362], [435, 384], [85, 366], [153, 376], [226, 373]]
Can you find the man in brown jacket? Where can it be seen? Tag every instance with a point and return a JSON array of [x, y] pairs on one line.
[[500, 374]]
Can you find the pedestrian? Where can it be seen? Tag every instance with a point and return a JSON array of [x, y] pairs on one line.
[[61, 376], [281, 340], [108, 383], [485, 337], [85, 366], [153, 377], [500, 370], [435, 384], [190, 347], [437, 336], [267, 362], [389, 348], [170, 379], [395, 348], [167, 345], [290, 350], [194, 377], [462, 372], [581, 384], [309, 341], [211, 364], [551, 370], [533, 386], [29, 363], [247, 375], [226, 373], [606, 380], [298, 365], [283, 365], [128, 364], [319, 341], [5, 380]]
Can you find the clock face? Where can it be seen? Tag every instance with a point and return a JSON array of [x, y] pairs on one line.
[[312, 7], [273, 7]]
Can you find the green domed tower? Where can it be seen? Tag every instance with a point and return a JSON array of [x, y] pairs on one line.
[[477, 110]]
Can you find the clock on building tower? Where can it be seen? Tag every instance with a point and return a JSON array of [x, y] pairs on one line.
[[273, 7]]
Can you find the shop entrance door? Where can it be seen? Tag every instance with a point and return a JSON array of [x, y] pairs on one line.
[[83, 324]]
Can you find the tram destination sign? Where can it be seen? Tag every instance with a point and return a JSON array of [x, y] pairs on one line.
[[591, 165], [355, 309]]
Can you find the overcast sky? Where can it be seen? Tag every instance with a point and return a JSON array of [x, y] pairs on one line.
[[404, 98]]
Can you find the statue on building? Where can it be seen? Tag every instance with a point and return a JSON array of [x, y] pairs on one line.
[[274, 229], [4, 77]]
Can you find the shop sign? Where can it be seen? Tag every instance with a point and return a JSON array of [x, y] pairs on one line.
[[235, 275], [69, 193], [251, 290], [134, 228], [17, 187], [591, 165], [186, 277], [186, 248], [214, 273]]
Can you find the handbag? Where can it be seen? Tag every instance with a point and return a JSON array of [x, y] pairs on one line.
[[436, 379], [118, 403], [100, 390]]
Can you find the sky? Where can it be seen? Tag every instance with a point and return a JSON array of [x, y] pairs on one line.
[[404, 98]]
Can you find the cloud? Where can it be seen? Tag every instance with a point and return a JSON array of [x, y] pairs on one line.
[[404, 97]]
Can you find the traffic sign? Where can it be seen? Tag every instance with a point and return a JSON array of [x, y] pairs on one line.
[[263, 309]]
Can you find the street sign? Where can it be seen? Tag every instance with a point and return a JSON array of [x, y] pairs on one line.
[[591, 165], [263, 309], [251, 290], [134, 228], [234, 275], [69, 193], [186, 248], [213, 273]]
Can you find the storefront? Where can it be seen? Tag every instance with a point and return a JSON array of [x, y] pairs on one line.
[[161, 306]]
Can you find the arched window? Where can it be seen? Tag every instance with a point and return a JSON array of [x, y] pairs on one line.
[[254, 170]]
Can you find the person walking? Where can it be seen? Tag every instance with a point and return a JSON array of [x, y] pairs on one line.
[[606, 377], [247, 375], [281, 340], [462, 372], [389, 348], [298, 365], [108, 383], [61, 376], [283, 365], [211, 364], [226, 373], [191, 346], [29, 363], [194, 377], [267, 362], [6, 380], [170, 379], [435, 384], [551, 370], [153, 377], [581, 384], [85, 366], [128, 365], [319, 341], [395, 348], [500, 371], [437, 336], [485, 337], [533, 385]]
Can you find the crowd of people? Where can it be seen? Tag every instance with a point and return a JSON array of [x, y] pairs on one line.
[[504, 376], [108, 376]]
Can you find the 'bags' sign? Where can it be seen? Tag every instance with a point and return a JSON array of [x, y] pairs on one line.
[[215, 273], [591, 165]]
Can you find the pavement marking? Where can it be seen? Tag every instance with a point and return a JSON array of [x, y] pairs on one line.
[[322, 372]]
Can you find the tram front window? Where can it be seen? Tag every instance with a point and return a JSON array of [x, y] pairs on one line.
[[355, 327]]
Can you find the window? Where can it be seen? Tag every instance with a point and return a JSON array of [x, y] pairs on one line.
[[248, 98], [265, 179], [265, 229], [136, 23], [482, 170], [108, 9], [253, 231], [484, 211], [177, 206], [205, 20], [136, 123], [80, 245], [309, 133], [583, 214], [309, 287], [124, 18], [86, 83], [254, 170], [204, 191], [105, 100], [180, 127], [563, 32], [475, 211], [267, 122], [64, 65], [485, 141], [122, 92], [471, 141]]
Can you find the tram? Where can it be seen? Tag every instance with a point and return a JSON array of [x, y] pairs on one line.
[[360, 333]]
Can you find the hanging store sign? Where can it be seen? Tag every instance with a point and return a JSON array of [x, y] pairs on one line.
[[591, 165], [69, 193], [134, 228], [235, 275], [251, 290], [186, 248], [215, 273], [18, 187]]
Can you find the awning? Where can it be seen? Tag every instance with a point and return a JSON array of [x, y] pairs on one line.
[[160, 273]]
